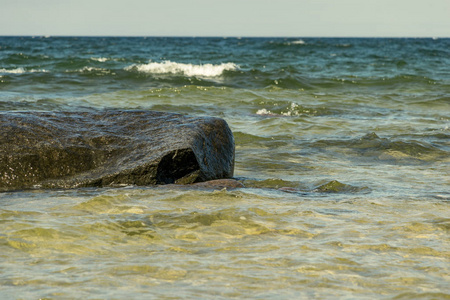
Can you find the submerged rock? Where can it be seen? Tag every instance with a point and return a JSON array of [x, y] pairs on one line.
[[220, 184], [107, 148], [335, 186], [271, 183], [215, 184]]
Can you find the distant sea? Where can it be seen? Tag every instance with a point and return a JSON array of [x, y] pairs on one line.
[[357, 127]]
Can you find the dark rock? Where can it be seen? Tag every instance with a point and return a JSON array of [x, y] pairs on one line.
[[107, 148]]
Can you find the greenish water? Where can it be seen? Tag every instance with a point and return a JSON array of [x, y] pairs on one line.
[[252, 243], [343, 146]]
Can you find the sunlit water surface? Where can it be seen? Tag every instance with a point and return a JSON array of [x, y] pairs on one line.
[[343, 146]]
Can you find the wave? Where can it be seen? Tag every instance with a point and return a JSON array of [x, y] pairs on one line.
[[292, 109], [96, 70], [169, 67], [298, 42], [100, 59], [227, 74], [21, 71]]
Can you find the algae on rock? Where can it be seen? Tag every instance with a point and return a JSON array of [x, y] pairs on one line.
[[105, 148]]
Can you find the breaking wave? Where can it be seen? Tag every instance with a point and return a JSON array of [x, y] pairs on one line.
[[100, 59], [21, 71], [169, 67]]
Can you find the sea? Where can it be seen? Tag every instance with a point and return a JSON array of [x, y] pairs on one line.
[[343, 145]]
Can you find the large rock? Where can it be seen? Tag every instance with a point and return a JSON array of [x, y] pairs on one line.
[[107, 148]]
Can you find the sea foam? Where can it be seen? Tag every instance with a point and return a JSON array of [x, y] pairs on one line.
[[169, 67], [13, 71], [21, 71], [100, 59], [299, 42]]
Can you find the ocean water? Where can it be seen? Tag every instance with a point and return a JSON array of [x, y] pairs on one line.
[[343, 145]]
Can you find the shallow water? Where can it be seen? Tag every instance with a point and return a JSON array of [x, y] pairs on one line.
[[250, 243], [355, 132]]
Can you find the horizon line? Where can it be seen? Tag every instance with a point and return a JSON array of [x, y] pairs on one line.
[[220, 36]]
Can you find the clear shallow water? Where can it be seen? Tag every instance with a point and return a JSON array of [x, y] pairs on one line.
[[371, 114], [224, 244]]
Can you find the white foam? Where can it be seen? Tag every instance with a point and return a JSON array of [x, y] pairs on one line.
[[169, 67], [299, 42], [87, 69], [21, 71], [100, 59], [13, 71], [290, 111], [264, 112]]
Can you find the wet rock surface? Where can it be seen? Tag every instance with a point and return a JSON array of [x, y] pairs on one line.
[[107, 148], [335, 186]]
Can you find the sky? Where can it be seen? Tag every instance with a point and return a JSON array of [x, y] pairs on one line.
[[286, 18]]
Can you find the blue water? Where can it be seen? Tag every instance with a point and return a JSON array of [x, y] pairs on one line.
[[312, 63], [354, 131]]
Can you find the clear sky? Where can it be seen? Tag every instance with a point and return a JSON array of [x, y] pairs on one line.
[[299, 18]]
